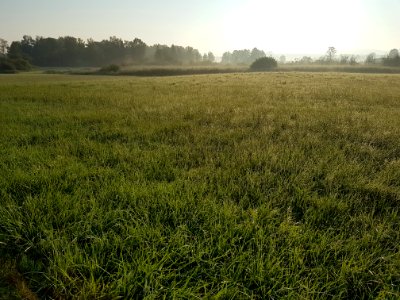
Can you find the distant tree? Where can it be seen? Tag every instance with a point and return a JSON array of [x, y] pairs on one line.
[[23, 49], [192, 56], [256, 54], [135, 50], [113, 49], [393, 54], [162, 55], [282, 59], [208, 58], [370, 59], [306, 60], [177, 55], [393, 58], [15, 50], [46, 52], [211, 57], [241, 57], [94, 54], [322, 60], [3, 47], [353, 59], [226, 58], [330, 54], [344, 59], [264, 64], [70, 52], [11, 65]]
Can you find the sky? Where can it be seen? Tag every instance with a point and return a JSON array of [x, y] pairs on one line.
[[275, 26]]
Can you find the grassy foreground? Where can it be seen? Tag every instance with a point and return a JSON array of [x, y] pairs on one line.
[[234, 186]]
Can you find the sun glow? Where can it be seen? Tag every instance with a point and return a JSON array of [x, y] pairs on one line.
[[292, 26]]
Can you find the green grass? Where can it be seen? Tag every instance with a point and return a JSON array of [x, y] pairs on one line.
[[233, 186]]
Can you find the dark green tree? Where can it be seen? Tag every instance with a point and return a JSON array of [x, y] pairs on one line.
[[135, 50], [3, 47], [264, 64], [73, 52]]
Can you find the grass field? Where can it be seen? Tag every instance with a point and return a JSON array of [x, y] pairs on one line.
[[168, 70], [233, 186]]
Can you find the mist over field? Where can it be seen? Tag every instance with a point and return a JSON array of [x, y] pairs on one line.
[[199, 150]]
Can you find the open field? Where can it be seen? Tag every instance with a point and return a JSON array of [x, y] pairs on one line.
[[167, 70], [151, 70], [233, 186]]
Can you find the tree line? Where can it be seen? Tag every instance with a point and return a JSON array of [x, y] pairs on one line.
[[244, 56], [392, 59], [69, 51]]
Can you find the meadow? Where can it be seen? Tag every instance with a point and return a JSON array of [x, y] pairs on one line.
[[171, 70], [226, 186]]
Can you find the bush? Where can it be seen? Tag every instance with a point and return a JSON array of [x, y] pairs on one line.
[[110, 69], [6, 66], [264, 64], [12, 65], [21, 64]]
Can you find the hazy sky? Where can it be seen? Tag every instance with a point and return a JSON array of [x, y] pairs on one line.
[[279, 26]]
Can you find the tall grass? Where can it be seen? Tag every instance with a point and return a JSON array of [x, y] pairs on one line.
[[157, 71], [274, 185]]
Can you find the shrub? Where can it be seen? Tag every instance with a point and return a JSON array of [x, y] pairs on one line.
[[12, 65], [6, 66], [264, 64], [21, 64], [110, 69]]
